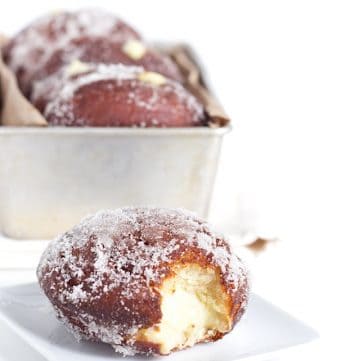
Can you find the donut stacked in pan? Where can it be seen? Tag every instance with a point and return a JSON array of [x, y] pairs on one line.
[[89, 68]]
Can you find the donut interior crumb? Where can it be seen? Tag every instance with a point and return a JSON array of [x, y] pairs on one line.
[[194, 308]]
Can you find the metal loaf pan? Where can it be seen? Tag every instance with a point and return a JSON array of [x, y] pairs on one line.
[[52, 177]]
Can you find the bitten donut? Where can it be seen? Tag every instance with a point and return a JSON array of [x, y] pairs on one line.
[[28, 51], [115, 95], [105, 50], [144, 280]]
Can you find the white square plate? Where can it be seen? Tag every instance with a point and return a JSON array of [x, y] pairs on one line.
[[264, 329]]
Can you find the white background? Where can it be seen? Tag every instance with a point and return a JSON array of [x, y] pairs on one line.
[[288, 74]]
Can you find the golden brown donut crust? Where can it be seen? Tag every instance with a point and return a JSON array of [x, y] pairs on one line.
[[103, 276]]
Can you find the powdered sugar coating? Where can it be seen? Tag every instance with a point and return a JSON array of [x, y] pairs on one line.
[[65, 85], [123, 224], [127, 253], [29, 50], [96, 49], [137, 103]]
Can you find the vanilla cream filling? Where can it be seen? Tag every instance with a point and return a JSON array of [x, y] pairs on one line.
[[77, 67], [134, 49], [194, 307]]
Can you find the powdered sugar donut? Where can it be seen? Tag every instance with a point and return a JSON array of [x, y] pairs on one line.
[[115, 95], [28, 51], [105, 50], [145, 280]]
